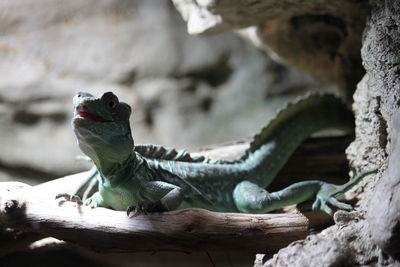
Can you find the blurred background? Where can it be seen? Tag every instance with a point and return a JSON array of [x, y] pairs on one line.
[[185, 91]]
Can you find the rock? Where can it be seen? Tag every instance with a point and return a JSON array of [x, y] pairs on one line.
[[305, 253], [373, 239], [342, 217], [381, 60], [384, 207], [331, 247], [322, 38], [181, 87]]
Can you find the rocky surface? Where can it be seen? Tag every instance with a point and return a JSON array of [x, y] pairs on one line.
[[186, 91], [189, 91], [381, 59], [320, 37], [371, 235], [324, 39]]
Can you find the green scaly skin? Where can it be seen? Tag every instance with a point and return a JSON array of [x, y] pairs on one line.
[[154, 178]]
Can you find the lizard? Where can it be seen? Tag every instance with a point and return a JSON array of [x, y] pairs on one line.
[[151, 178]]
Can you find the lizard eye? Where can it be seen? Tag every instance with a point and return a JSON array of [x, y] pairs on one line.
[[110, 100], [112, 104]]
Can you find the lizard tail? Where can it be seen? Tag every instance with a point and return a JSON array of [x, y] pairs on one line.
[[273, 145]]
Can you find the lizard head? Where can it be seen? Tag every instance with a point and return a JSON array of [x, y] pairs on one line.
[[102, 128]]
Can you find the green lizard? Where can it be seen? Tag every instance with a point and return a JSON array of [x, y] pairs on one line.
[[154, 178]]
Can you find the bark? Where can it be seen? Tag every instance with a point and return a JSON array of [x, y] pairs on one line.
[[34, 210], [184, 230]]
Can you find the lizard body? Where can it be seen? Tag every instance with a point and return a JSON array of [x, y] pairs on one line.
[[155, 178]]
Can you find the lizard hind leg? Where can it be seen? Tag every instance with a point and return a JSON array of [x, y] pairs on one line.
[[249, 197]]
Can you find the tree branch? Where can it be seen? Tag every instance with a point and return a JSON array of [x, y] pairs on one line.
[[34, 209], [183, 230]]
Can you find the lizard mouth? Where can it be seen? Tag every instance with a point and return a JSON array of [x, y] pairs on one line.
[[88, 116]]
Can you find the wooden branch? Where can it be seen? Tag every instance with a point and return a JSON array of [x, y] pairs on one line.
[[49, 243], [12, 241], [34, 209], [184, 230]]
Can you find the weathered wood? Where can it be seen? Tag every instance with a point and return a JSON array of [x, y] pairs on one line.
[[12, 240], [184, 230], [34, 209]]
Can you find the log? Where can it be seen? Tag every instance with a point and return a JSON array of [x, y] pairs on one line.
[[34, 209], [113, 231]]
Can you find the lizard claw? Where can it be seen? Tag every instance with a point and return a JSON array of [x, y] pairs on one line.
[[69, 197], [90, 203], [143, 209], [133, 211]]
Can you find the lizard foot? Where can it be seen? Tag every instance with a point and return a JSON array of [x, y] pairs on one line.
[[69, 197], [143, 209], [328, 193], [90, 203], [325, 196], [133, 211]]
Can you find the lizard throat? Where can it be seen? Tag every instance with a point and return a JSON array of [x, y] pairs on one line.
[[121, 172]]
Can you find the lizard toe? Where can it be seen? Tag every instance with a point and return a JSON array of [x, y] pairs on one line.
[[316, 205], [325, 208], [68, 197], [334, 202]]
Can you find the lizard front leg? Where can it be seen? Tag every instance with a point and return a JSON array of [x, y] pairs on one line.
[[159, 196], [85, 188], [96, 200]]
